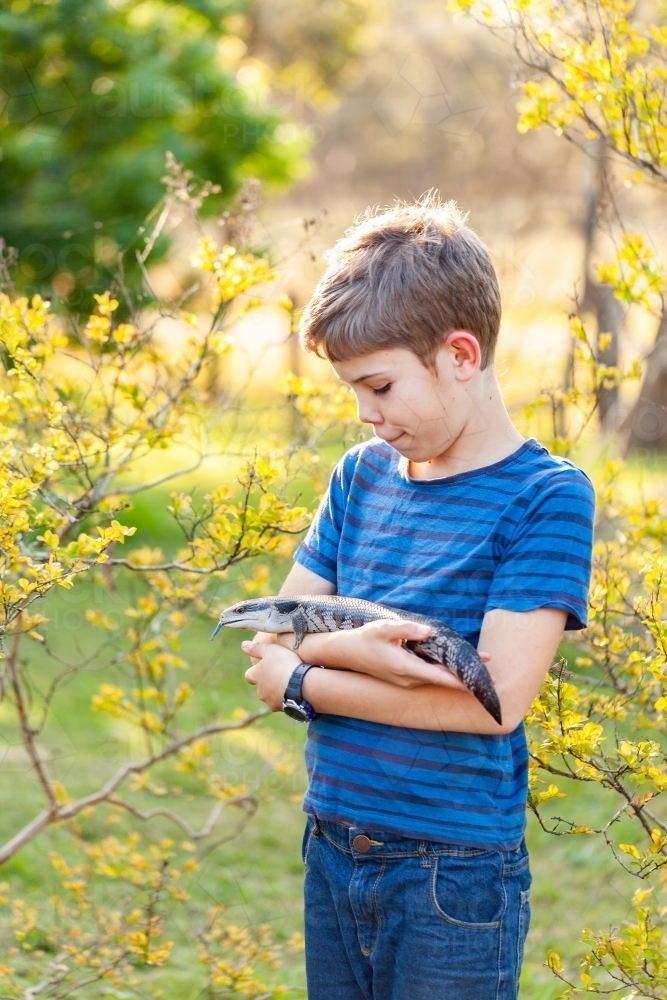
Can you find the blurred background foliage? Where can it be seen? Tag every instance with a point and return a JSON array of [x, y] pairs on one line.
[[283, 119], [94, 96]]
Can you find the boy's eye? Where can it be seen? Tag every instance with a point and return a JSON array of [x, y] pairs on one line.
[[381, 391]]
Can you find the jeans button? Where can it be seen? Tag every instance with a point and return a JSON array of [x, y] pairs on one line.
[[361, 843]]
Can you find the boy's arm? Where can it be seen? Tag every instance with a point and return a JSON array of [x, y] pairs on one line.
[[374, 649], [300, 580], [521, 647]]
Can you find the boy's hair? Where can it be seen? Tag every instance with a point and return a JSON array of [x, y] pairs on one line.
[[404, 277]]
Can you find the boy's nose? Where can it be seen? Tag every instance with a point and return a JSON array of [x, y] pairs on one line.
[[369, 414]]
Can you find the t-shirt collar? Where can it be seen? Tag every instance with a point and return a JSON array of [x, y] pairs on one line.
[[530, 445]]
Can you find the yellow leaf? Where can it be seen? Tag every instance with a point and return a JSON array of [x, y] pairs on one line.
[[61, 792], [553, 961]]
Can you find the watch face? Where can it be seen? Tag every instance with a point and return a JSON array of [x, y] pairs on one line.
[[295, 711]]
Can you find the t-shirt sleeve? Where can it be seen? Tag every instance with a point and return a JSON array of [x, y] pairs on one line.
[[319, 549], [547, 563]]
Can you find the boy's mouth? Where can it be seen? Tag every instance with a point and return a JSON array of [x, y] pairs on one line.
[[395, 439]]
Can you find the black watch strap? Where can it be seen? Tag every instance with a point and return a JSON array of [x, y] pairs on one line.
[[293, 689]]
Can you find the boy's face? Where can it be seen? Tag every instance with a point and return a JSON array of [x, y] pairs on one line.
[[419, 412]]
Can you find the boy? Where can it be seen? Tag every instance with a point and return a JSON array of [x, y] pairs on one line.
[[417, 879]]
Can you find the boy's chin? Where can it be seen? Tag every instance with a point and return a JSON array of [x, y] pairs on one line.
[[416, 453], [411, 451]]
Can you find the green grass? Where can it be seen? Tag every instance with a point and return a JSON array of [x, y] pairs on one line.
[[258, 876]]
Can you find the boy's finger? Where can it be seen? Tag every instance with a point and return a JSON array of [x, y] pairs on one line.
[[447, 679], [444, 678], [263, 637], [253, 648], [410, 666], [404, 630], [431, 674]]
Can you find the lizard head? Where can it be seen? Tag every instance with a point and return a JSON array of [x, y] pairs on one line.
[[265, 614]]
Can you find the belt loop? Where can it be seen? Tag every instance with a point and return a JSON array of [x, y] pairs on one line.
[[317, 829], [425, 860]]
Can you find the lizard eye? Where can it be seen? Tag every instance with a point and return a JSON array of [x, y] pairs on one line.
[[286, 607], [242, 609]]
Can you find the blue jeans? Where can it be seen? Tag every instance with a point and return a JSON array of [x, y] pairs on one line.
[[411, 920]]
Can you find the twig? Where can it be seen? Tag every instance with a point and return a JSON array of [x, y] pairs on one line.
[[26, 729], [206, 830], [71, 809]]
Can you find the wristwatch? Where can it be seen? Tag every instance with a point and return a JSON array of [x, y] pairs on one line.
[[294, 704]]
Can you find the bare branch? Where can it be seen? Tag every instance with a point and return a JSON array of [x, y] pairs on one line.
[[68, 810], [27, 731], [206, 830]]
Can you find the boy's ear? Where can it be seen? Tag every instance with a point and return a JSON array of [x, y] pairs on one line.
[[463, 346]]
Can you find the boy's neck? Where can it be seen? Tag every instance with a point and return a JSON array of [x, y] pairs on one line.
[[489, 436]]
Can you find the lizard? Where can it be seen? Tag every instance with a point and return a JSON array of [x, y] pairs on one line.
[[331, 613]]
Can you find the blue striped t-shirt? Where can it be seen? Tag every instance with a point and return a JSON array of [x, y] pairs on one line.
[[517, 535]]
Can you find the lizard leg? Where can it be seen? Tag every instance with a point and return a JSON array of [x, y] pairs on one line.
[[300, 627]]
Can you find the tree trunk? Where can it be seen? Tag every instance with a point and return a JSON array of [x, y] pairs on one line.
[[610, 316], [600, 299], [648, 420]]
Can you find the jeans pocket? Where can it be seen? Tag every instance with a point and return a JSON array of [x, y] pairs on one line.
[[468, 890]]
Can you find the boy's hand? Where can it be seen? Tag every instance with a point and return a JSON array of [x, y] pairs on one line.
[[271, 670], [375, 649]]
